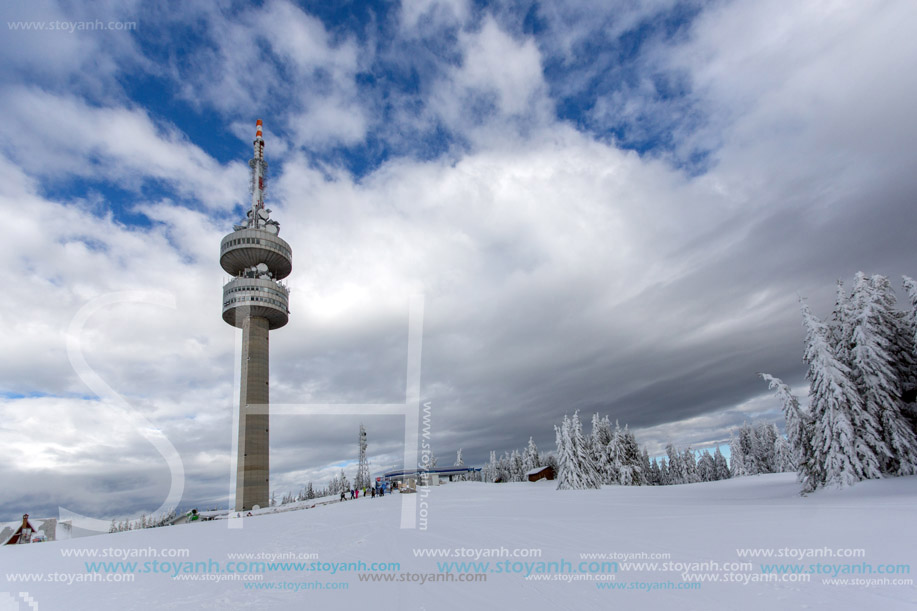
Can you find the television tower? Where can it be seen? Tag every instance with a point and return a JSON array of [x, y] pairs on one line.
[[256, 302]]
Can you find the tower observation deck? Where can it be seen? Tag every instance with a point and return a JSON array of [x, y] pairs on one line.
[[255, 301]]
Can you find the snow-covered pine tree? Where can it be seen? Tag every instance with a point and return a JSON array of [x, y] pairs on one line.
[[655, 478], [590, 476], [665, 475], [565, 459], [799, 431], [721, 470], [576, 469], [737, 457], [840, 329], [844, 435], [785, 459], [689, 459], [517, 470], [505, 467], [748, 440], [875, 371], [646, 468], [530, 458], [614, 458], [677, 472], [864, 337], [900, 333], [706, 471], [602, 450], [628, 461], [910, 379], [766, 434]]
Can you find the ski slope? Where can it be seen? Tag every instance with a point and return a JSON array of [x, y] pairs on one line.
[[700, 527]]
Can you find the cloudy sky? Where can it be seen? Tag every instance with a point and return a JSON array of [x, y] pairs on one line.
[[607, 206]]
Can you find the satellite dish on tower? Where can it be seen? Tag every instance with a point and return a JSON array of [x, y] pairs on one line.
[[261, 268], [263, 213], [272, 228]]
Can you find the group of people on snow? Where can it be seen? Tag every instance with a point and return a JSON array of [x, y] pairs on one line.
[[373, 491]]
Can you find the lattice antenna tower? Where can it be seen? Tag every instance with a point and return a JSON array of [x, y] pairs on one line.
[[363, 469]]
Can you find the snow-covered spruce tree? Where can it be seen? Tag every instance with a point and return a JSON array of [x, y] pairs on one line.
[[565, 458], [576, 469], [706, 470], [722, 466], [799, 431], [844, 434], [665, 475], [766, 434], [655, 478], [910, 380], [602, 449], [737, 457], [748, 440], [677, 472], [689, 459], [517, 467], [875, 356], [501, 469], [459, 462], [645, 467], [530, 458], [628, 461], [784, 457]]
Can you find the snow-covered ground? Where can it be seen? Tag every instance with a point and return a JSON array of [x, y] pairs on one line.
[[699, 523]]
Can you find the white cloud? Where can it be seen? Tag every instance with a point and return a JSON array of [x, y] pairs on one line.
[[278, 58], [57, 137], [426, 15], [498, 87]]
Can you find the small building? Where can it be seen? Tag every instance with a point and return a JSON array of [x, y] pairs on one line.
[[539, 473], [411, 478], [23, 534]]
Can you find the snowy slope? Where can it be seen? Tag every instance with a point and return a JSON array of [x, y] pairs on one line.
[[694, 523]]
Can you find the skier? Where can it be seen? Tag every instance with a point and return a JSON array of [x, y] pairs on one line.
[[343, 498]]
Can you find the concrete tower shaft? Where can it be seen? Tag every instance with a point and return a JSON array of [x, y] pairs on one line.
[[255, 301], [253, 465]]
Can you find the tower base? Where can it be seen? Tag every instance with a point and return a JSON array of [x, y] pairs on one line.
[[253, 467]]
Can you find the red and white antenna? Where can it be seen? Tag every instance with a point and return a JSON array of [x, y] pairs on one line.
[[259, 173]]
